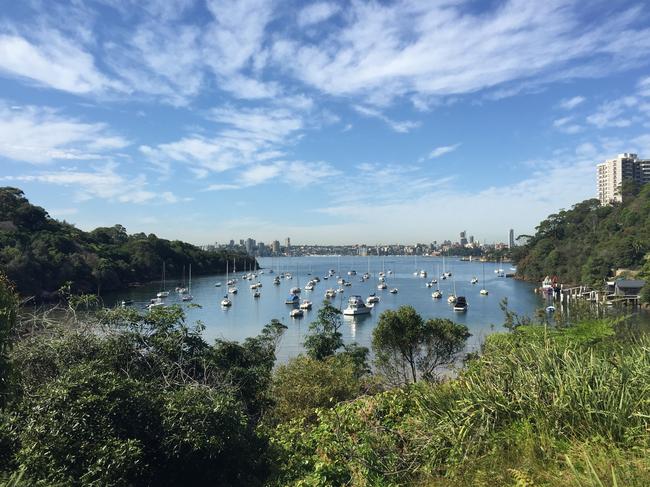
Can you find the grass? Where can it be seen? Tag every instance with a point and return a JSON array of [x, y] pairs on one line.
[[541, 406]]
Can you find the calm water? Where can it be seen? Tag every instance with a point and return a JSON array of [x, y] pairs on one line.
[[248, 315]]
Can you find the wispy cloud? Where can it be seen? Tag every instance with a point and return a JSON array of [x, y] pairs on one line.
[[40, 135], [571, 103], [615, 113], [103, 182], [400, 126], [316, 13], [441, 151], [567, 125]]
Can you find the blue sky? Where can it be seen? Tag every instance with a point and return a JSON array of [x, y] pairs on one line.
[[332, 122]]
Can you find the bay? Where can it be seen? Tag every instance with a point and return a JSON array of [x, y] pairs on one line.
[[248, 315]]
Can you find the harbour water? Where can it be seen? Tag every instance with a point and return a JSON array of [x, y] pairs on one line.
[[248, 315]]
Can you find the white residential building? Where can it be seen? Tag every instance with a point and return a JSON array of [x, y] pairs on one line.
[[611, 173]]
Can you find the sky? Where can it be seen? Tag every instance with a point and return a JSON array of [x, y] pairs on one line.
[[328, 122]]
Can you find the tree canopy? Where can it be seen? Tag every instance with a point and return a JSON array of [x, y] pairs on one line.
[[40, 254]]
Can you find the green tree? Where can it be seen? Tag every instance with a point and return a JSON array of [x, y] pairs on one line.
[[304, 384], [324, 337], [8, 313], [407, 347]]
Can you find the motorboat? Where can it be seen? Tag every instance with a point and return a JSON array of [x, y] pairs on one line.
[[352, 273], [382, 285], [366, 276], [436, 294], [330, 293], [341, 281], [232, 290], [434, 281], [156, 303], [217, 284], [372, 298], [295, 290], [309, 286], [423, 274], [297, 313], [162, 294], [187, 297], [390, 271], [230, 282], [429, 284], [226, 302], [257, 294], [306, 304], [347, 284], [340, 289], [474, 280], [292, 299], [276, 280], [483, 292], [460, 304], [356, 306], [316, 279], [393, 291], [451, 299]]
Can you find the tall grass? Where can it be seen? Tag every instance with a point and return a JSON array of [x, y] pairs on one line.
[[522, 414]]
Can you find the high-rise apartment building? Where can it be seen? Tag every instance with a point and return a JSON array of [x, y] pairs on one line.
[[275, 247], [511, 238], [611, 173]]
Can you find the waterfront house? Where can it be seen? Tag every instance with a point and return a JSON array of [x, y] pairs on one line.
[[628, 287]]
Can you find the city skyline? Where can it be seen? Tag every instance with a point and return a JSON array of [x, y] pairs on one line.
[[332, 122]]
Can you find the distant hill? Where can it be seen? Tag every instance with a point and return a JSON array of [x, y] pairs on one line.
[[40, 254], [589, 242]]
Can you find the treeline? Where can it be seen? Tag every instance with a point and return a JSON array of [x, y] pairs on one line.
[[40, 254], [589, 242]]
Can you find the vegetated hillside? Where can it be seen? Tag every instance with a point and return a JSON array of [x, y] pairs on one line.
[[587, 243], [40, 254]]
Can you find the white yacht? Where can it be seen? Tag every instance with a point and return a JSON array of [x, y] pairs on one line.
[[232, 290], [156, 303], [295, 290], [382, 285], [436, 294], [309, 286], [306, 304], [474, 280], [372, 299], [276, 280], [394, 291], [352, 273], [297, 313], [423, 274], [226, 302], [356, 306], [451, 299], [330, 293]]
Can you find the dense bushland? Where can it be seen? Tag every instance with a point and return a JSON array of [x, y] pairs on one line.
[[589, 242], [40, 254]]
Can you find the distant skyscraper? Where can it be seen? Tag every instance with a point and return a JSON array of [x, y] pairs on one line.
[[471, 239], [463, 238], [275, 247], [511, 238], [287, 243], [611, 173], [250, 245]]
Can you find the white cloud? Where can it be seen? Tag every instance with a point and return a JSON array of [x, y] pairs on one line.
[[567, 125], [316, 13], [386, 50], [571, 103], [400, 126], [442, 150], [104, 182], [55, 62], [40, 135], [615, 113]]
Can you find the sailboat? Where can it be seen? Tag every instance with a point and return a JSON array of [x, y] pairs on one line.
[[452, 297], [226, 302], [382, 284], [182, 289], [437, 294], [484, 292], [163, 293], [187, 296], [233, 289]]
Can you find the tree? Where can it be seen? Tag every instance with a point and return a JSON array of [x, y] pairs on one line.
[[305, 384], [407, 347], [324, 337], [8, 313]]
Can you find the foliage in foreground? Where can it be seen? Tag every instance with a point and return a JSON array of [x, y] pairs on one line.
[[146, 401], [540, 405]]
